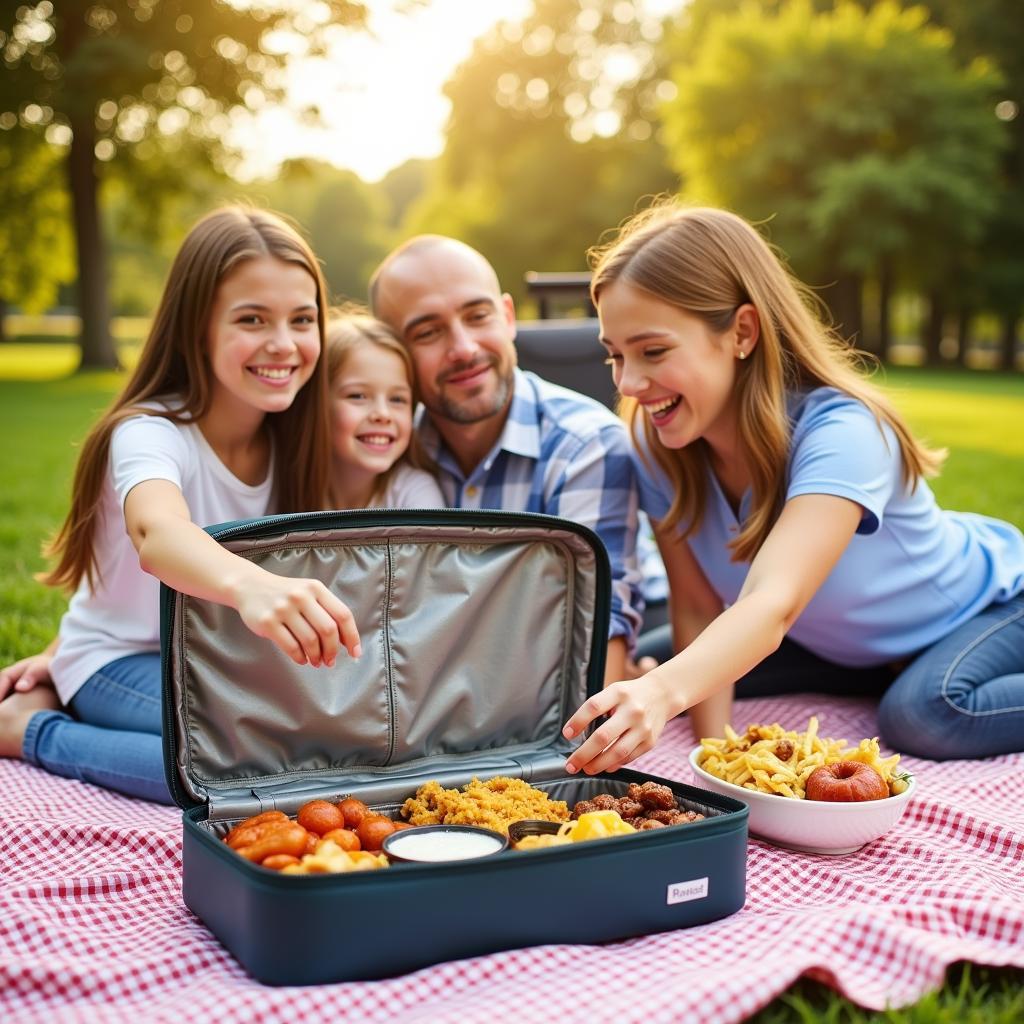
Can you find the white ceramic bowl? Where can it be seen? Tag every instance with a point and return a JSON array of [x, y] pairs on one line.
[[811, 826]]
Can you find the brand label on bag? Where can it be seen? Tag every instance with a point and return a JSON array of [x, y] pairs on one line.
[[683, 892]]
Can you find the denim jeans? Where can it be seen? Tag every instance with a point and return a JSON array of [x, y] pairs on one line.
[[112, 736], [963, 697]]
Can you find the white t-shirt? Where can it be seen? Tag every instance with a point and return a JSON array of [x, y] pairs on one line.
[[411, 488], [122, 616]]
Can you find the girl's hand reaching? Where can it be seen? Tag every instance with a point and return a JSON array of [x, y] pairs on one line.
[[301, 616], [637, 711]]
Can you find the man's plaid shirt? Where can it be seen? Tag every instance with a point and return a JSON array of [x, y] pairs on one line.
[[561, 454]]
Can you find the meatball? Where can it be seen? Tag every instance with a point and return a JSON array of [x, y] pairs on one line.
[[629, 808], [583, 807], [656, 796], [665, 817], [784, 750]]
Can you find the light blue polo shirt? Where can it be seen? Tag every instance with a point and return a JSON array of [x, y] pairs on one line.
[[911, 574]]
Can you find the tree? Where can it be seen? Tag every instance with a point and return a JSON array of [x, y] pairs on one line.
[[145, 235], [550, 139], [994, 29], [104, 76], [347, 232], [856, 133], [402, 186], [35, 250], [344, 218]]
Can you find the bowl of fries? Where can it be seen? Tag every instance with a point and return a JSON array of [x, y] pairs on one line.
[[767, 768]]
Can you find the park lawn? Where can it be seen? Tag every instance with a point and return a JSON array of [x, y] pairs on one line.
[[978, 415]]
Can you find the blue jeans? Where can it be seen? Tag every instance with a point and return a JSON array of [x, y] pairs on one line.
[[113, 740], [963, 697]]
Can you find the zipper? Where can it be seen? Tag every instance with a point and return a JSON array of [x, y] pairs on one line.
[[389, 668]]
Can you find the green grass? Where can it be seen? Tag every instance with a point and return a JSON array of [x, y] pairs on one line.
[[979, 416], [44, 347], [971, 995], [40, 424]]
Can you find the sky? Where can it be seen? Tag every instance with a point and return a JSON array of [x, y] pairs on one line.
[[380, 93]]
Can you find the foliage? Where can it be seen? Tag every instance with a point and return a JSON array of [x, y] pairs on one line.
[[35, 243], [145, 80], [994, 29], [550, 138], [144, 235], [401, 187], [856, 131], [343, 217], [151, 71]]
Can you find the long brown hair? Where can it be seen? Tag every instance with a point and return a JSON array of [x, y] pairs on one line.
[[174, 363], [709, 262], [348, 328]]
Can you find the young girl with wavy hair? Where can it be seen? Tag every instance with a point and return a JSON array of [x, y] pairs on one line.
[[803, 547], [224, 417], [376, 459]]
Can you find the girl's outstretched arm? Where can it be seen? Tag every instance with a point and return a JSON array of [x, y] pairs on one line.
[[694, 605], [809, 538], [301, 616]]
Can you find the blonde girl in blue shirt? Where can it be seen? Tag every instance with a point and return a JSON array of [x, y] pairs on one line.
[[803, 547]]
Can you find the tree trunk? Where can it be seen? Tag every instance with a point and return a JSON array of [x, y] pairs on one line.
[[885, 290], [3, 320], [1008, 344], [931, 337], [963, 334], [843, 298], [98, 350]]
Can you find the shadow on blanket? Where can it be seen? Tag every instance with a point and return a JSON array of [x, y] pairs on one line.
[[92, 923]]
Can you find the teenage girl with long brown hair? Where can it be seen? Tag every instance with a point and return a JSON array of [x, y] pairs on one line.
[[803, 547], [225, 417]]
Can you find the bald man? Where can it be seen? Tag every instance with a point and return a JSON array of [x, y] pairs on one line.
[[503, 438]]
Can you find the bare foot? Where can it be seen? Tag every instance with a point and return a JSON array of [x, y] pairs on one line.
[[15, 712]]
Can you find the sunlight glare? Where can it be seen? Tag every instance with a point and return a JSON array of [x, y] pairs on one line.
[[379, 93]]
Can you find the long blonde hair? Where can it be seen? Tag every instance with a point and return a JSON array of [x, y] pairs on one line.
[[174, 363], [350, 327], [709, 262]]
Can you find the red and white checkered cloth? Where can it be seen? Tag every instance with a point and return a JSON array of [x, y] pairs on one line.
[[92, 926]]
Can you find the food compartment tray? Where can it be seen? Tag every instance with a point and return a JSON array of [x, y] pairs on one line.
[[298, 930]]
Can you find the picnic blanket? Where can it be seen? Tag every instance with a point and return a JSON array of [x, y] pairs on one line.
[[92, 926]]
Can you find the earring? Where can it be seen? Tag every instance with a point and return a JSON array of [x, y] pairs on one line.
[[743, 355]]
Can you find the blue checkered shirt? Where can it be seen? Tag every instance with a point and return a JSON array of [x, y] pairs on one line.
[[564, 455]]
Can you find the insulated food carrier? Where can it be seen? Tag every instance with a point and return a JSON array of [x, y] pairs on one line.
[[482, 632]]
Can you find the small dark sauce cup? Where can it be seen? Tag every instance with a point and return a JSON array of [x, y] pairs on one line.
[[532, 827]]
